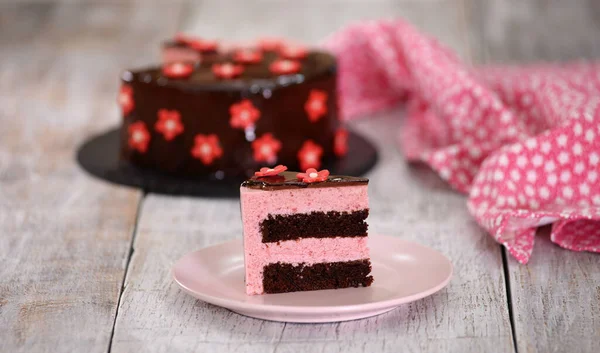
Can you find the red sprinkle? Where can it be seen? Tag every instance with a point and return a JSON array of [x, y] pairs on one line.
[[270, 171], [312, 175], [294, 52], [309, 155], [139, 137], [265, 148], [206, 148], [169, 123], [203, 45], [283, 67], [243, 114], [177, 70], [227, 70], [340, 144], [125, 99], [247, 56], [316, 105]]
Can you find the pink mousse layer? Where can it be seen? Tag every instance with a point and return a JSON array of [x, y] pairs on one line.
[[258, 204]]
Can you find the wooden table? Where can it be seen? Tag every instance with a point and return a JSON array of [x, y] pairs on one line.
[[86, 264]]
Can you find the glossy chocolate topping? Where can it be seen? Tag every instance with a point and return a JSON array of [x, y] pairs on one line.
[[255, 76], [204, 103], [289, 180]]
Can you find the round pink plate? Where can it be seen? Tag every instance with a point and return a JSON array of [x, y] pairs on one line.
[[403, 272]]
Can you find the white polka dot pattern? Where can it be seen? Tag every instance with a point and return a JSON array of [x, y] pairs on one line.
[[521, 141]]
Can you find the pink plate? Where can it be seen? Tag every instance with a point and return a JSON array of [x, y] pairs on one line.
[[403, 272]]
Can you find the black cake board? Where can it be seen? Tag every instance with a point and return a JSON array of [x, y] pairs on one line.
[[99, 156]]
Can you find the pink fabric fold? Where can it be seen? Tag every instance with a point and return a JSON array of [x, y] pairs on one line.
[[522, 142]]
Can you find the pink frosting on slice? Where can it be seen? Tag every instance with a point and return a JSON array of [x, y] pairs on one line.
[[258, 204]]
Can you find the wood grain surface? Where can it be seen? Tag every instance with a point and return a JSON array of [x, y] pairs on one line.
[[86, 265], [65, 237]]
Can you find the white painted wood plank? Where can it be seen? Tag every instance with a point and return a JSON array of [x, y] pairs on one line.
[[556, 300], [65, 237]]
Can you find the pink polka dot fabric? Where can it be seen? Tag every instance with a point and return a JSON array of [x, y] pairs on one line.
[[522, 142]]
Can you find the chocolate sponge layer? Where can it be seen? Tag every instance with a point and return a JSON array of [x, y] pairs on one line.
[[314, 225], [283, 277]]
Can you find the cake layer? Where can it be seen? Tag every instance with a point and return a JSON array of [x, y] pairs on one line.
[[307, 251], [286, 277], [329, 224], [257, 204]]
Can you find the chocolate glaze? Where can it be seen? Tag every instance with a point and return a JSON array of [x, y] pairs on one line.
[[255, 76], [289, 180], [203, 102]]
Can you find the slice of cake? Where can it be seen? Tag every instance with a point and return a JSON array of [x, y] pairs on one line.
[[304, 231]]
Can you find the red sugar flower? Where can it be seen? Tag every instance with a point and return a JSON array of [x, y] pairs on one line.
[[312, 175], [139, 137], [270, 171], [206, 148], [340, 144], [316, 105], [243, 114], [125, 99], [247, 56], [294, 52], [283, 67], [227, 70], [309, 155], [265, 148], [270, 44], [177, 70], [203, 45], [169, 123]]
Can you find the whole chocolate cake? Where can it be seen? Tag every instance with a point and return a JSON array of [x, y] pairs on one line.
[[214, 114]]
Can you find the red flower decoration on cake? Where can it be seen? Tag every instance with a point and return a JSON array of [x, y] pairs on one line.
[[293, 52], [270, 44], [125, 99], [340, 143], [206, 148], [169, 123], [270, 171], [139, 137], [177, 70], [312, 175], [265, 148], [227, 70], [310, 155], [247, 56], [284, 67], [203, 45], [243, 114], [316, 105]]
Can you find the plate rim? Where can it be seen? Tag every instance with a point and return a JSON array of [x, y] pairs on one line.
[[307, 310]]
